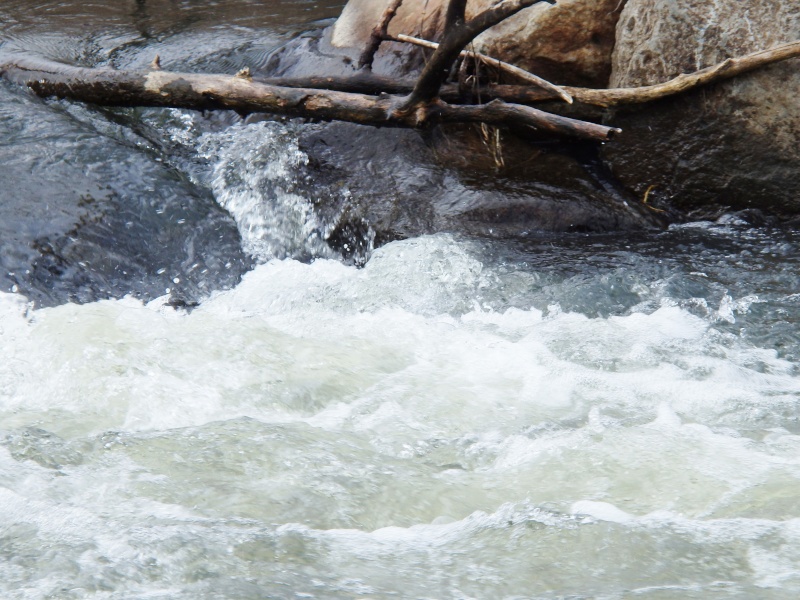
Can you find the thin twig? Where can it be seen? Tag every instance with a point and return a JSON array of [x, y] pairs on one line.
[[494, 62]]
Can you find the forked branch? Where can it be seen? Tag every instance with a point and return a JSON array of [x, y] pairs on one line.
[[244, 95], [458, 33], [379, 34], [521, 74]]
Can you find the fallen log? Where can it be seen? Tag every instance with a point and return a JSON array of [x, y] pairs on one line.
[[367, 99], [422, 107], [244, 95]]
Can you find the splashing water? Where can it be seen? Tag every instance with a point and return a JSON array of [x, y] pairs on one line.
[[254, 170], [396, 431], [610, 417]]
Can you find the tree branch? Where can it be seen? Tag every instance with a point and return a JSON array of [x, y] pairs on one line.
[[493, 62], [496, 14], [501, 114], [379, 34], [457, 34], [241, 93], [348, 99], [521, 94], [456, 14], [683, 83]]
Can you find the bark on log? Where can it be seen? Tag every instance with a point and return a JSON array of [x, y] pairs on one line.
[[241, 93]]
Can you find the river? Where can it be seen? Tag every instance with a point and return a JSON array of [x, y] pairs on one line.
[[201, 399]]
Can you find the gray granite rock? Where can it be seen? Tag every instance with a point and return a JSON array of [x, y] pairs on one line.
[[734, 144]]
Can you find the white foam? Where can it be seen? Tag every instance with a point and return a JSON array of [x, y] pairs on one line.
[[253, 170], [602, 511], [390, 408]]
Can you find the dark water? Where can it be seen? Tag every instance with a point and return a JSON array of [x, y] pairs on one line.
[[405, 376], [91, 204]]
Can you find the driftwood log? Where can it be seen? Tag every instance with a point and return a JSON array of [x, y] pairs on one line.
[[241, 93], [422, 107], [368, 99]]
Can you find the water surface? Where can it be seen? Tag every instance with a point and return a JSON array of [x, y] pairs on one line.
[[546, 416]]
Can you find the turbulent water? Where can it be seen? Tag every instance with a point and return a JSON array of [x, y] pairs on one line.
[[569, 416]]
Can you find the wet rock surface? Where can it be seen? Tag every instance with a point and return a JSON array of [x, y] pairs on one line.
[[403, 183], [96, 203], [89, 214], [569, 43], [733, 144], [102, 203], [465, 178]]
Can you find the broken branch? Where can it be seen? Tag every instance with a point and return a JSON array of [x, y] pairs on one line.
[[519, 94], [494, 62], [683, 83], [458, 33], [209, 92], [378, 34]]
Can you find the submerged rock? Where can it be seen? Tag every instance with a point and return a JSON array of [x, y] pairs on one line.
[[733, 144], [91, 210], [402, 184], [730, 145]]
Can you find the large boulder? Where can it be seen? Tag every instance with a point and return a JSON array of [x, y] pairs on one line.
[[463, 178], [569, 43], [734, 144]]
